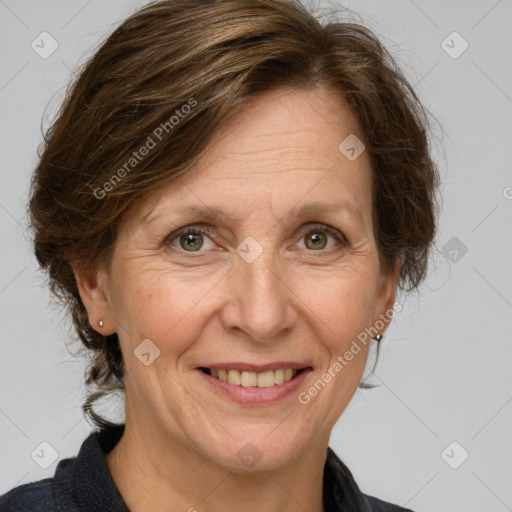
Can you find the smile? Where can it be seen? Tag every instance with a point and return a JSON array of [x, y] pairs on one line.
[[252, 379], [255, 388]]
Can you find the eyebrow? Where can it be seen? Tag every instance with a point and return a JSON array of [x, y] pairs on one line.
[[298, 212], [319, 207]]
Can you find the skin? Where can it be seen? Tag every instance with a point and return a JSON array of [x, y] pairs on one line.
[[293, 303]]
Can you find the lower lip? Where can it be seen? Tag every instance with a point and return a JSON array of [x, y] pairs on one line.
[[255, 395]]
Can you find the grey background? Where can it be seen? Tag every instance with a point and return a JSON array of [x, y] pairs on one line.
[[444, 372]]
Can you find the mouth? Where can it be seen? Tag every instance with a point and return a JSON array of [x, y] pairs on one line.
[[250, 379]]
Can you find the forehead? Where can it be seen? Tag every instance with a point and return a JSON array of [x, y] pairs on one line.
[[279, 153]]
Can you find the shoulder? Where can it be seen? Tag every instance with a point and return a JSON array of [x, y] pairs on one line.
[[33, 497], [376, 505], [80, 483], [341, 491], [55, 494]]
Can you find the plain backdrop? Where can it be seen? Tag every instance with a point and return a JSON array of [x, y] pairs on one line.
[[435, 434]]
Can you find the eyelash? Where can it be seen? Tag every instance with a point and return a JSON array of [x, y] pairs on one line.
[[210, 232]]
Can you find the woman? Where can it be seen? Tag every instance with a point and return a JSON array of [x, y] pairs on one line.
[[227, 203]]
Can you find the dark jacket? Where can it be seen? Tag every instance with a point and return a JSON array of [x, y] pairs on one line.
[[83, 484]]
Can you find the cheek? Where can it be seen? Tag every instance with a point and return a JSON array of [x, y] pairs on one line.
[[340, 303], [172, 307], [162, 305], [340, 308]]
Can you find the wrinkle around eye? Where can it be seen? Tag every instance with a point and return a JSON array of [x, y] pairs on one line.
[[220, 238]]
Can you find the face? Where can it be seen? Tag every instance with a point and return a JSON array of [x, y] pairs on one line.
[[274, 277]]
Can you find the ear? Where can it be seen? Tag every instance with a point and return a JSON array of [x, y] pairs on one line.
[[383, 311], [92, 286]]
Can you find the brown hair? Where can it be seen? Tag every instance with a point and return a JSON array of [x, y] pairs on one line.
[[212, 56]]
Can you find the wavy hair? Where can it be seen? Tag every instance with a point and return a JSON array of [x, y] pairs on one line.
[[219, 54]]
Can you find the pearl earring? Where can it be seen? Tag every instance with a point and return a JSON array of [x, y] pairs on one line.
[[100, 323]]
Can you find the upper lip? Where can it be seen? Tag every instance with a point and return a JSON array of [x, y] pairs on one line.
[[257, 368]]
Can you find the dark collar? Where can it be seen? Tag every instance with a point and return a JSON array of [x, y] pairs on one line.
[[86, 479]]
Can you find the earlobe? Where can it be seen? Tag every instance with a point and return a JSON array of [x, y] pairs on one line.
[[92, 287]]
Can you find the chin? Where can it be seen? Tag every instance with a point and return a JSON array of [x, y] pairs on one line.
[[259, 449]]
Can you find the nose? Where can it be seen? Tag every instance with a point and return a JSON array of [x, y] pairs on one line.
[[260, 303]]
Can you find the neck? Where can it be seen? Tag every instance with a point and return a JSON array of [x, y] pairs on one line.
[[157, 473]]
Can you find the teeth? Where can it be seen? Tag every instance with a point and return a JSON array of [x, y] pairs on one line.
[[266, 379], [253, 379], [234, 377], [249, 379]]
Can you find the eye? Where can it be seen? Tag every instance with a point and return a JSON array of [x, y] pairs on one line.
[[316, 237], [191, 239]]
